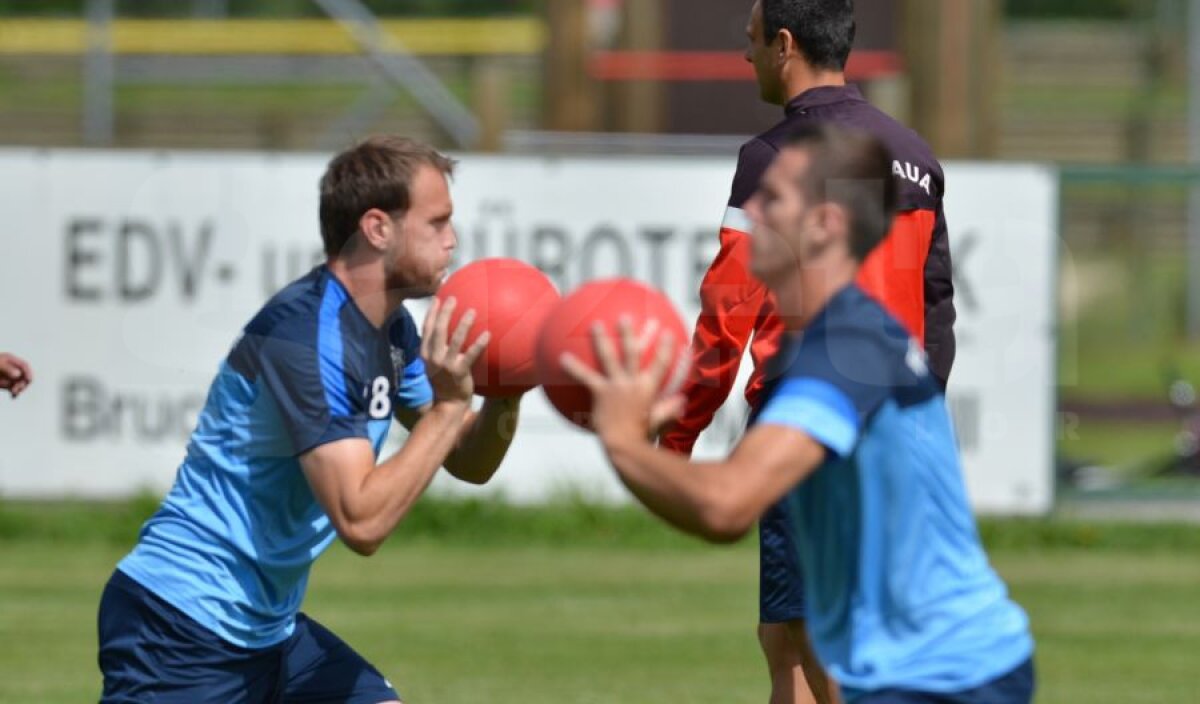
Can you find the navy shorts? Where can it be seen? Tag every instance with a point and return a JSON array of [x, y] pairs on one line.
[[780, 578], [151, 651], [1014, 688]]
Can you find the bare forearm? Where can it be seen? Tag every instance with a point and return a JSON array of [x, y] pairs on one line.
[[391, 488], [485, 441], [692, 496]]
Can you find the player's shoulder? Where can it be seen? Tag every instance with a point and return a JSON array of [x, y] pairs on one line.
[[914, 165], [402, 330], [855, 337], [753, 159], [758, 152], [294, 310], [311, 315], [855, 315]]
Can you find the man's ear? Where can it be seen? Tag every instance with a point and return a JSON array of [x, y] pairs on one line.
[[834, 222], [374, 228], [787, 44]]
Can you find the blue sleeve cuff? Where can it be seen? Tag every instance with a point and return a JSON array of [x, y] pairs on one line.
[[338, 428], [818, 409], [414, 390]]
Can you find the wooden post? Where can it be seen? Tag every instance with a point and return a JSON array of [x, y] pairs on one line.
[[951, 50], [490, 90], [569, 96], [920, 48], [988, 71], [639, 104]]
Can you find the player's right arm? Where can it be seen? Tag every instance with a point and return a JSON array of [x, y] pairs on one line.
[[731, 301], [807, 420], [365, 502]]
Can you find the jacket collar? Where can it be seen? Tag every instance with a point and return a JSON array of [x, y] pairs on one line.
[[822, 96]]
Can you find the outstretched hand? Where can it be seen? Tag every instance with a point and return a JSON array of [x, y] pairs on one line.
[[447, 365], [15, 374], [626, 401]]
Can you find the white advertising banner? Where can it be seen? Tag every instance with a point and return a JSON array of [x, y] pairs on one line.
[[126, 276]]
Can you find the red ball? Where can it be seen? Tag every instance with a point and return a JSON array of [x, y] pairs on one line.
[[568, 329], [511, 299]]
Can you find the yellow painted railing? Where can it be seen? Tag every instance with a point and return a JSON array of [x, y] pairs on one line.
[[514, 36]]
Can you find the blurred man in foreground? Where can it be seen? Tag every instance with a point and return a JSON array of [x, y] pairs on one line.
[[799, 49], [853, 433], [283, 459]]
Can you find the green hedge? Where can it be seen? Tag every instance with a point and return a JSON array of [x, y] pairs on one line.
[[570, 522]]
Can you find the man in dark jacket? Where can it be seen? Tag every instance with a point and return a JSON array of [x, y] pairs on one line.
[[799, 50]]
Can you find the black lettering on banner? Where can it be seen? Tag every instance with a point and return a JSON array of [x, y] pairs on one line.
[[599, 236], [82, 416], [281, 267], [91, 412], [270, 278], [133, 237], [657, 238], [190, 263], [966, 413], [79, 258], [495, 223], [550, 251], [964, 294]]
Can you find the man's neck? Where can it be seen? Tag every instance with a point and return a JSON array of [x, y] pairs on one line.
[[367, 286], [806, 79], [810, 291]]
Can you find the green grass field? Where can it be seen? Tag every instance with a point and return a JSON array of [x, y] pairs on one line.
[[474, 602]]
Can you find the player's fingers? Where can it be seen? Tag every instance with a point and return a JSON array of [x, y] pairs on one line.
[[629, 345], [662, 359], [427, 328], [606, 354], [477, 348], [461, 332], [646, 336], [581, 372], [678, 375], [25, 369], [441, 327], [666, 410], [8, 369]]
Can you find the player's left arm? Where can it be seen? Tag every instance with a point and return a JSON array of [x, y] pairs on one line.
[[719, 501], [939, 302], [483, 436]]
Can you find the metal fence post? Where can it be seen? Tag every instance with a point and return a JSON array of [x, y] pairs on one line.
[[98, 75], [404, 69], [1193, 243]]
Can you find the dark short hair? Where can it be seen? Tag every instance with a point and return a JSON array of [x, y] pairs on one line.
[[853, 169], [375, 173], [823, 29]]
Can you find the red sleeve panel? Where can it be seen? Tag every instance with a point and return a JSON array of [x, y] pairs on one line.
[[894, 274], [731, 303]]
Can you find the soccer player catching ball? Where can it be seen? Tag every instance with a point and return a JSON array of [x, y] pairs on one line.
[[283, 459], [852, 433], [799, 50]]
